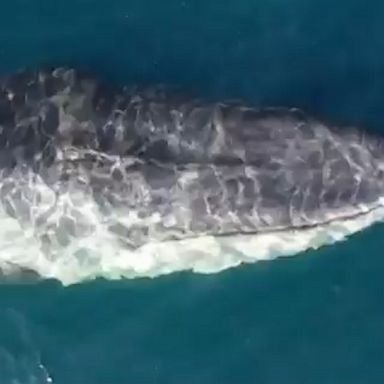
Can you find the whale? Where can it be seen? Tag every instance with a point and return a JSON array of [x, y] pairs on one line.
[[148, 175]]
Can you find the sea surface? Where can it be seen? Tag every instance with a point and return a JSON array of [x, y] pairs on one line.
[[315, 318]]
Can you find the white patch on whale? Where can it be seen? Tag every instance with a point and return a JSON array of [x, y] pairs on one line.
[[100, 254]]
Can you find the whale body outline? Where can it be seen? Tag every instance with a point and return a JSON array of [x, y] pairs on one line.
[[161, 166]]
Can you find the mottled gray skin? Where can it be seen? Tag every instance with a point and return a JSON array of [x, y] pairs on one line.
[[205, 168]]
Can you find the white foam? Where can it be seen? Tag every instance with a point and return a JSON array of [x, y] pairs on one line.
[[101, 254]]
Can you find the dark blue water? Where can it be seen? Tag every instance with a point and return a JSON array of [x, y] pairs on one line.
[[315, 318]]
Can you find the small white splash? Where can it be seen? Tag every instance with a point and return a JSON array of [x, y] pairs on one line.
[[48, 379]]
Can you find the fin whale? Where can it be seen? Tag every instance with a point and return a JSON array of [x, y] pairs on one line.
[[155, 165]]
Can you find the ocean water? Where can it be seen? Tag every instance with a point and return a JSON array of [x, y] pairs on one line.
[[317, 317]]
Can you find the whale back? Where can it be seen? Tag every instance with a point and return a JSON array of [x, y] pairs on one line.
[[159, 165]]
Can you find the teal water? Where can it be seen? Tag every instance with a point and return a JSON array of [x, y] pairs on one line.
[[314, 318]]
